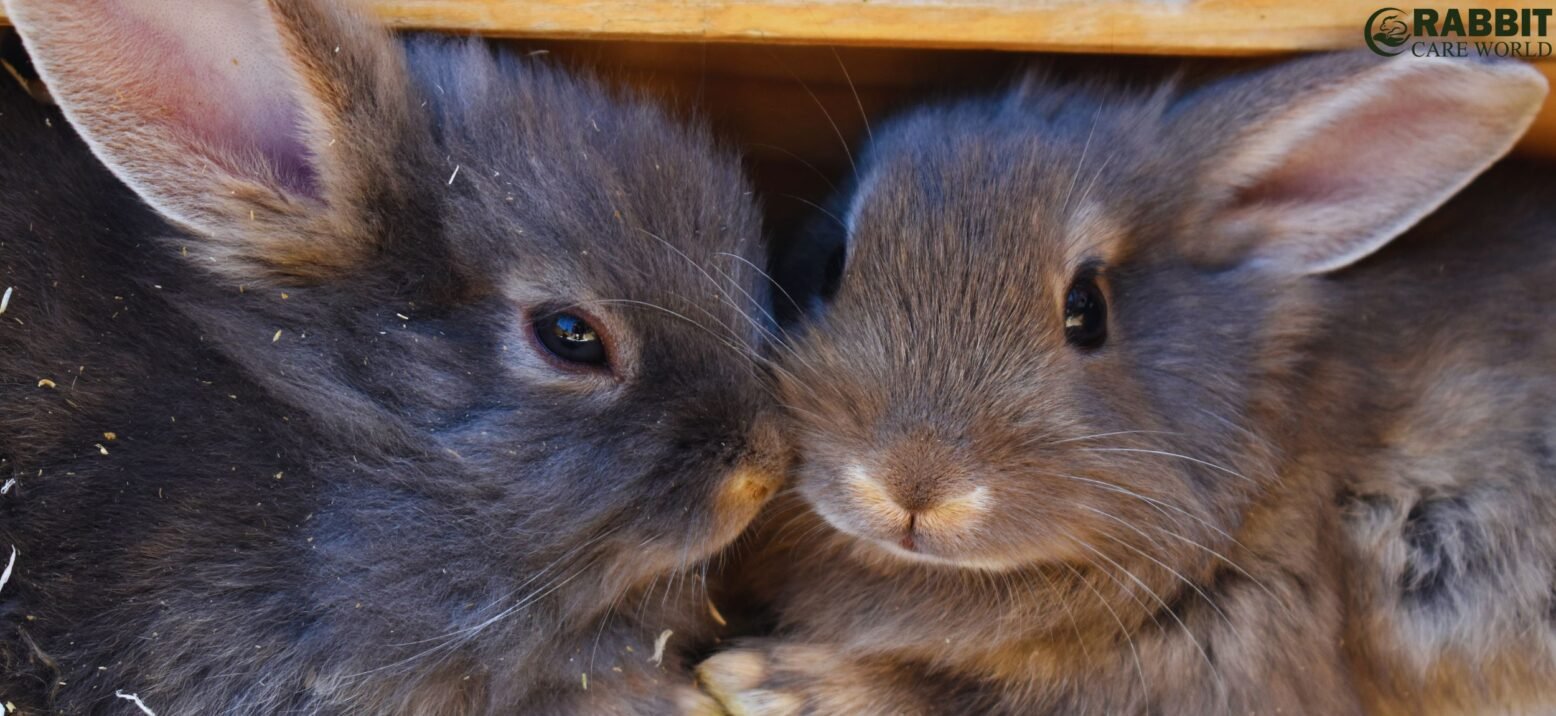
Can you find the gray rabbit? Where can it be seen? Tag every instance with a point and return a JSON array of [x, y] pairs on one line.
[[342, 375], [1211, 396]]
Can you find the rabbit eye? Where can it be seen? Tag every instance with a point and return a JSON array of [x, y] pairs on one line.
[[571, 339], [1085, 312]]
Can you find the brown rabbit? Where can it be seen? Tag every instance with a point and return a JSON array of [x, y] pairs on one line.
[[1076, 411]]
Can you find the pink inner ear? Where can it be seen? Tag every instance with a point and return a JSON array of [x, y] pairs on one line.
[[1340, 161], [1344, 171], [215, 75]]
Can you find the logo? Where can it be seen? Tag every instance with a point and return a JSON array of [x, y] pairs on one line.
[[1455, 32], [1387, 32]]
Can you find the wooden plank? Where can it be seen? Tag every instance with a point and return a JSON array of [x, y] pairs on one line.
[[1166, 26], [1183, 27], [1131, 26], [1541, 138]]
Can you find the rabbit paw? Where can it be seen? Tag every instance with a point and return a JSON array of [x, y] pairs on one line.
[[691, 702], [760, 680], [768, 678]]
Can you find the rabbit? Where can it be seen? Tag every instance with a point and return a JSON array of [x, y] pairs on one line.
[[347, 374], [1218, 394]]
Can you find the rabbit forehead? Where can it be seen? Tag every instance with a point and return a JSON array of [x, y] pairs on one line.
[[551, 174], [993, 188], [967, 230], [981, 229]]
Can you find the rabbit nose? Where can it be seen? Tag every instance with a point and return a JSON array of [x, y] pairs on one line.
[[918, 498], [921, 471], [914, 495]]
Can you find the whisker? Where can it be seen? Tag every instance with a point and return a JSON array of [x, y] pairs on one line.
[[718, 288], [1223, 558], [604, 620], [1095, 436], [1094, 177], [455, 642], [838, 132], [1162, 507], [857, 101], [1063, 603], [1169, 610], [1081, 163], [768, 332], [570, 554], [1159, 563], [1129, 639], [1165, 453], [825, 179], [817, 207], [764, 274], [742, 350]]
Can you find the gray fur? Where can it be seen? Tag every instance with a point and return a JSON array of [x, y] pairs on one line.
[[344, 478]]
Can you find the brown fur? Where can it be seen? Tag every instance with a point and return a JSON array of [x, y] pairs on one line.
[[1156, 530]]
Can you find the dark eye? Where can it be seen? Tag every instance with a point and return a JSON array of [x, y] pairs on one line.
[[571, 339], [1085, 312]]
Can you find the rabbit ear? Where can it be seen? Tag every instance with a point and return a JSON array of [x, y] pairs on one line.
[[262, 127], [1333, 156]]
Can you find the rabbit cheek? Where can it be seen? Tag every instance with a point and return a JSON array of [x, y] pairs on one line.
[[739, 498], [755, 479], [731, 503], [716, 500]]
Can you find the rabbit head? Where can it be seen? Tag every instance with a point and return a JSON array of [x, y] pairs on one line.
[[1063, 325]]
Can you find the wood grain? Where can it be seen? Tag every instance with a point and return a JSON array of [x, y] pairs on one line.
[[1217, 26], [1541, 138], [1178, 27], [1131, 26]]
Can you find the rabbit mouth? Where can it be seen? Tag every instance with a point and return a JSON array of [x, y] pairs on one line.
[[962, 533], [967, 552], [947, 538], [922, 550], [938, 525]]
